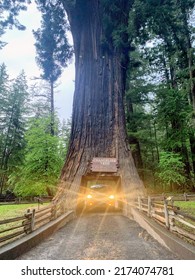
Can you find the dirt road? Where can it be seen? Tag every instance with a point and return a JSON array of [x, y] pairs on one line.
[[98, 236]]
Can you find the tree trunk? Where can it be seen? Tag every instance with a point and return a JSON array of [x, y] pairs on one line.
[[98, 120], [52, 107], [132, 139], [187, 53], [192, 148]]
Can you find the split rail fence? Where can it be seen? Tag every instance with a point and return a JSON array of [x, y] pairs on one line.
[[162, 209], [159, 208], [13, 228]]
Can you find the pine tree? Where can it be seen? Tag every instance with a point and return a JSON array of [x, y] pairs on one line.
[[52, 46], [170, 56], [4, 91], [13, 127]]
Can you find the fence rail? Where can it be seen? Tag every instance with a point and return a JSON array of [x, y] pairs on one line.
[[162, 209], [4, 200], [13, 228]]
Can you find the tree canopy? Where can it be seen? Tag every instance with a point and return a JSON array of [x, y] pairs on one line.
[[9, 10], [53, 48]]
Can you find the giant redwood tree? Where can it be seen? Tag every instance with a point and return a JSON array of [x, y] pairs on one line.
[[98, 121], [99, 29]]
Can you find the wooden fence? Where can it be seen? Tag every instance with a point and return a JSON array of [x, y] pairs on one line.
[[25, 200], [11, 229], [162, 209]]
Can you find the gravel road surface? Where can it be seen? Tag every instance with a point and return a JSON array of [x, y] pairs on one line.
[[98, 236]]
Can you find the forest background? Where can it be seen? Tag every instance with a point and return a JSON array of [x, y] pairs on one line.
[[159, 99]]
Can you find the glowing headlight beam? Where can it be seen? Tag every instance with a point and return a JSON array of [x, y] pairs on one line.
[[111, 196], [89, 196]]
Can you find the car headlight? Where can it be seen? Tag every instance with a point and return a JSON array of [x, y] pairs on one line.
[[112, 196], [89, 196]]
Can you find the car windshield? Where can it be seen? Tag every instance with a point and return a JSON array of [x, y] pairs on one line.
[[101, 188]]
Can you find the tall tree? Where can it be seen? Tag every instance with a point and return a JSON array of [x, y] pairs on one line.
[[4, 92], [173, 57], [52, 46], [98, 121], [13, 127]]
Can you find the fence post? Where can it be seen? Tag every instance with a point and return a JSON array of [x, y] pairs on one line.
[[185, 196], [166, 214], [32, 226], [53, 212], [149, 206], [172, 223], [30, 215]]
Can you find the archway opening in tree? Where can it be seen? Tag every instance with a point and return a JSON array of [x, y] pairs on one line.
[[100, 191]]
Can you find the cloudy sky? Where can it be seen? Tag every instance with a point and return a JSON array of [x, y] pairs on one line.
[[19, 53]]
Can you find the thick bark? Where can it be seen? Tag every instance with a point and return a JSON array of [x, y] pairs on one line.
[[98, 121]]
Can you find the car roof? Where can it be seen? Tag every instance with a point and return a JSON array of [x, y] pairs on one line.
[[98, 186]]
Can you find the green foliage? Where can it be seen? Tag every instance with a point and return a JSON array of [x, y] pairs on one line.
[[40, 96], [140, 118], [53, 49], [4, 88], [137, 22], [14, 111], [52, 46], [171, 169], [64, 137], [115, 22], [30, 157], [173, 113], [42, 164], [160, 84], [9, 11]]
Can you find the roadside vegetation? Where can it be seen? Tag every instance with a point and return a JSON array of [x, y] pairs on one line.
[[31, 156], [12, 210], [187, 207]]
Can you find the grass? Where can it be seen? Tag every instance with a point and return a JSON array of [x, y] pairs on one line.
[[186, 206], [11, 211]]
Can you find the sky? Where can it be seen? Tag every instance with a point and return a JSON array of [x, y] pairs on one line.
[[19, 54]]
